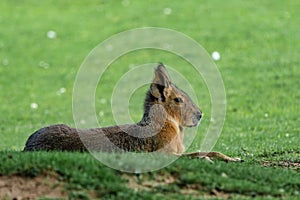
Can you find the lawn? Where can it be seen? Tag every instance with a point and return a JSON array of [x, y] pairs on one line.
[[44, 43]]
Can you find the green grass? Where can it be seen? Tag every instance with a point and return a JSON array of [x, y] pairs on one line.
[[258, 41], [85, 174]]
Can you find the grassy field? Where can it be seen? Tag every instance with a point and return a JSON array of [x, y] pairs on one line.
[[259, 43]]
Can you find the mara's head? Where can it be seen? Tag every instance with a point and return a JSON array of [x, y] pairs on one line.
[[176, 103]]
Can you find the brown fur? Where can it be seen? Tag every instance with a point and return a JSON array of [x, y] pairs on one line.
[[167, 110]]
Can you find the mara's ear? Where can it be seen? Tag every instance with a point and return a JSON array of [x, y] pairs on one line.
[[161, 84]]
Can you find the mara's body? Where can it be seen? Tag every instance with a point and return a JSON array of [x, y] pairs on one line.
[[115, 138], [167, 110]]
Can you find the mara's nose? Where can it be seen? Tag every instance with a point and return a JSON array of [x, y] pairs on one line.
[[198, 115]]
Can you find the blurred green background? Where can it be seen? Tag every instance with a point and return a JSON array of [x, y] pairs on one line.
[[43, 44], [258, 42]]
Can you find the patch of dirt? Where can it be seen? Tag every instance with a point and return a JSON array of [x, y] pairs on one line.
[[196, 190], [147, 185], [22, 188], [284, 164]]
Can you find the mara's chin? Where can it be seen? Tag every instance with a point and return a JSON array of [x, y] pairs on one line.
[[193, 125]]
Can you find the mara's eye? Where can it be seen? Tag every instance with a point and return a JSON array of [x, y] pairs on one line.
[[178, 100]]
